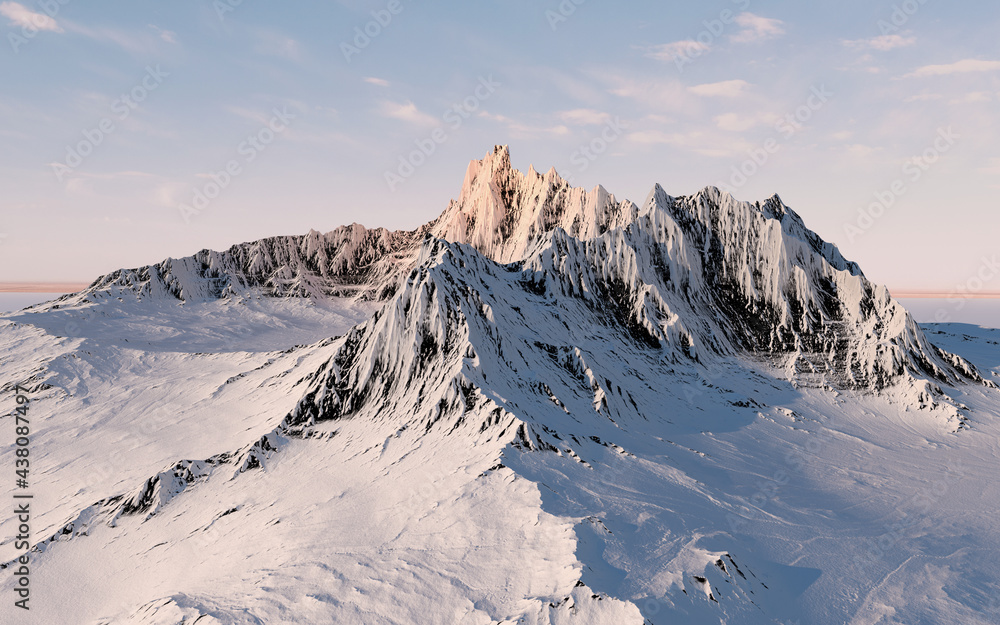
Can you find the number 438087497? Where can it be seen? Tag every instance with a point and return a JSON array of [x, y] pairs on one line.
[[23, 431]]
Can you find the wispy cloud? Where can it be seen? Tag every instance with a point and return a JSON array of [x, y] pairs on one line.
[[659, 136], [109, 184], [170, 193], [371, 80], [974, 97], [258, 118], [734, 122], [138, 42], [882, 43], [166, 35], [276, 44], [407, 112], [754, 28], [655, 95], [522, 128], [584, 117], [992, 167], [924, 97], [23, 17], [724, 89], [860, 150], [675, 50], [965, 66], [695, 141]]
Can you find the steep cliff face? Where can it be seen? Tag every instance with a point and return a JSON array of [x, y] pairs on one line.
[[658, 295], [714, 275]]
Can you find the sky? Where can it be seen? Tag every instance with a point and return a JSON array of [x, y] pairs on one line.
[[136, 131]]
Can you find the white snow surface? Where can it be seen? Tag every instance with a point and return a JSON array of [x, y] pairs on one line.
[[546, 406]]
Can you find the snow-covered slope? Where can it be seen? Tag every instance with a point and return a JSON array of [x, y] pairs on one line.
[[546, 406]]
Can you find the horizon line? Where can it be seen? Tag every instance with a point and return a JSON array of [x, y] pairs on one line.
[[43, 287]]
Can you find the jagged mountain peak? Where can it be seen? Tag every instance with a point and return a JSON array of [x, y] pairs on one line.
[[716, 218], [505, 213]]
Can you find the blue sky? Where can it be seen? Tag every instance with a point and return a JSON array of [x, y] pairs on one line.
[[876, 121]]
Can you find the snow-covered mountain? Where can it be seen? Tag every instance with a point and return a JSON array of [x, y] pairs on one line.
[[500, 210], [545, 406]]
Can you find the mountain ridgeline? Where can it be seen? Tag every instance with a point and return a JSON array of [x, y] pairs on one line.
[[694, 277]]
